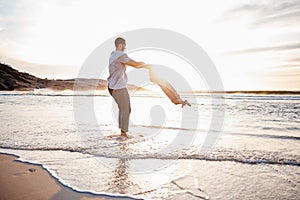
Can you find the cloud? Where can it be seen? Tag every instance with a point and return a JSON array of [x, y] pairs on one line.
[[295, 59], [287, 72], [40, 70], [295, 73], [267, 13], [288, 67], [285, 47], [13, 14]]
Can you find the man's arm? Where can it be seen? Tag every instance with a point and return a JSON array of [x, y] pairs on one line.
[[135, 64]]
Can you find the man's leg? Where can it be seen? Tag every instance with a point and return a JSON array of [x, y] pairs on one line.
[[121, 97]]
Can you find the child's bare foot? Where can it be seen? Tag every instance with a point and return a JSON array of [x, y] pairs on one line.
[[185, 102]]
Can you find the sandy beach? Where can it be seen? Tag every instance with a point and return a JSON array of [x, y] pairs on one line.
[[20, 180]]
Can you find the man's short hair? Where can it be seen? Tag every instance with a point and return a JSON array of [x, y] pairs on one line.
[[119, 40]]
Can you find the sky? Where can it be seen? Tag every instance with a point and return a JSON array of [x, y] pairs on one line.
[[255, 45]]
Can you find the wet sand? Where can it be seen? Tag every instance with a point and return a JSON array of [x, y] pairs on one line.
[[24, 181]]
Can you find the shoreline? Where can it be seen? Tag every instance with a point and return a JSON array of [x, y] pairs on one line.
[[33, 181]]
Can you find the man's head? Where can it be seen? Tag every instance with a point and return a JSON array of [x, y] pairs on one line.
[[120, 44]]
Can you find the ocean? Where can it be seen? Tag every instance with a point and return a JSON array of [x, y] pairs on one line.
[[225, 146]]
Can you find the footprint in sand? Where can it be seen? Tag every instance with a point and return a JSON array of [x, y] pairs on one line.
[[32, 170]]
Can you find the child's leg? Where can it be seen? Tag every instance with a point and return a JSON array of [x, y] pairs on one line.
[[170, 92]]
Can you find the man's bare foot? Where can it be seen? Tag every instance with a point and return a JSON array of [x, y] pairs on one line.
[[124, 134], [185, 102]]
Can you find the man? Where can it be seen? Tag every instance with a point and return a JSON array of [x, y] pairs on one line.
[[117, 82]]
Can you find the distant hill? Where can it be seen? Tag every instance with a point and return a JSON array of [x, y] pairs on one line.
[[12, 79]]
